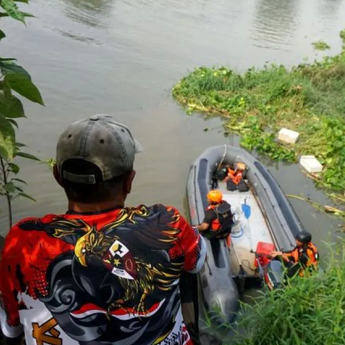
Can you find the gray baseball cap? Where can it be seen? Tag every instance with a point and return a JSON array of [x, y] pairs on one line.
[[100, 140]]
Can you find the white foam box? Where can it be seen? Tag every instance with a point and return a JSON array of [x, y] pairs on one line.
[[288, 136], [311, 164]]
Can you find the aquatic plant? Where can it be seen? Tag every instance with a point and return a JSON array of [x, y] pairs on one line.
[[256, 104], [321, 45]]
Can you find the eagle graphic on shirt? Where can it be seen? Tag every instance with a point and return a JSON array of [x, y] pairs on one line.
[[125, 270]]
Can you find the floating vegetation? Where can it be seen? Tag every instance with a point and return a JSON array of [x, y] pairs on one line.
[[321, 45], [309, 99]]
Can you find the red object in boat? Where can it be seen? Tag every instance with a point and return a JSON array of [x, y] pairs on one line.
[[263, 249]]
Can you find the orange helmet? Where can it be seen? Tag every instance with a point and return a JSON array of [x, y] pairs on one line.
[[215, 196]]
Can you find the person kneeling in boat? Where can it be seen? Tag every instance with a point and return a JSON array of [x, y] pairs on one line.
[[302, 259], [233, 177], [218, 218]]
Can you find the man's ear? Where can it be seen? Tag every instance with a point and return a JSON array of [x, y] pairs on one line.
[[128, 182], [57, 175]]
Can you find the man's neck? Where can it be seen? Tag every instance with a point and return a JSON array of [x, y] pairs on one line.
[[96, 207]]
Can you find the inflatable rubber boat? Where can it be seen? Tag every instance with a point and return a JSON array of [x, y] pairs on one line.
[[263, 217]]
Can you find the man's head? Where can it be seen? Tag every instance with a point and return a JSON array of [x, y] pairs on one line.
[[214, 197], [94, 160], [303, 238], [240, 166]]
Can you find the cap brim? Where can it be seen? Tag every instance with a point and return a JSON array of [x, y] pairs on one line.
[[138, 146]]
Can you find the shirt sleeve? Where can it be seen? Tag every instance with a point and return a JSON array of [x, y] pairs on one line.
[[9, 313], [192, 245], [210, 216]]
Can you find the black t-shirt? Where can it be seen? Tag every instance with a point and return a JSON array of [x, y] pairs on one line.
[[210, 216]]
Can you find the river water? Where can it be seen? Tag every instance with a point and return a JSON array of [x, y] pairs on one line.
[[122, 57]]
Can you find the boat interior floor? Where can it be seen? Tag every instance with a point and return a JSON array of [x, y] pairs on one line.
[[250, 228]]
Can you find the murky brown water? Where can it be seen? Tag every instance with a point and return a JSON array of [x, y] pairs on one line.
[[122, 57]]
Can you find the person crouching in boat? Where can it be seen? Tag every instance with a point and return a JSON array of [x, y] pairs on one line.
[[303, 259], [233, 177], [218, 218]]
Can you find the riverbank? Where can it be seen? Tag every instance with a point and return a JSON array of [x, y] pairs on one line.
[[308, 311], [256, 104]]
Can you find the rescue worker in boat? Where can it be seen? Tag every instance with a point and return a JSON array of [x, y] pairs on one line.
[[303, 259], [218, 218], [233, 177]]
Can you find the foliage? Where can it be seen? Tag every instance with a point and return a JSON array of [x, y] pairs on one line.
[[321, 45], [258, 103], [342, 34], [14, 79], [307, 311]]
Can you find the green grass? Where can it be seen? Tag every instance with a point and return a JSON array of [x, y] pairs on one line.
[[308, 311], [321, 45], [309, 99]]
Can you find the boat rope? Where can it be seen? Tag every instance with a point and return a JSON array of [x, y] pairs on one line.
[[222, 160]]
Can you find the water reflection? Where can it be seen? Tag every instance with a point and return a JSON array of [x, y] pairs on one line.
[[329, 9], [275, 21], [89, 12]]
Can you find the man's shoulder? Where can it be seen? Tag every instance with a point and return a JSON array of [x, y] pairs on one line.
[[35, 223], [210, 212], [161, 208], [24, 227]]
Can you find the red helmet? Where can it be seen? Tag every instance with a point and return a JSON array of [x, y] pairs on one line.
[[215, 196]]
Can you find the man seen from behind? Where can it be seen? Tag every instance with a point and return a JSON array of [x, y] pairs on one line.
[[102, 273]]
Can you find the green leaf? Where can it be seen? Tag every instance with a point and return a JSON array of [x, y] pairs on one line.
[[8, 67], [2, 14], [7, 138], [8, 59], [10, 187], [5, 87], [14, 123], [11, 106], [26, 196], [24, 87], [20, 145], [19, 180], [19, 189], [14, 168], [12, 9], [26, 14], [2, 35], [27, 155], [24, 1]]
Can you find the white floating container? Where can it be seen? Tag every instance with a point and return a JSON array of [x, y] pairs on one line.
[[288, 136], [311, 164]]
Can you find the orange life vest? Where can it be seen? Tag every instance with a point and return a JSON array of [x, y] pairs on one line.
[[215, 225], [235, 175], [312, 253]]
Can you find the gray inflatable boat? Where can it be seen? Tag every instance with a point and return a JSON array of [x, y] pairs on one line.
[[271, 219]]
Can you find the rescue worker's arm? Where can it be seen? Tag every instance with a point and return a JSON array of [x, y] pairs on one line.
[[210, 216], [285, 256], [203, 226], [231, 175]]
